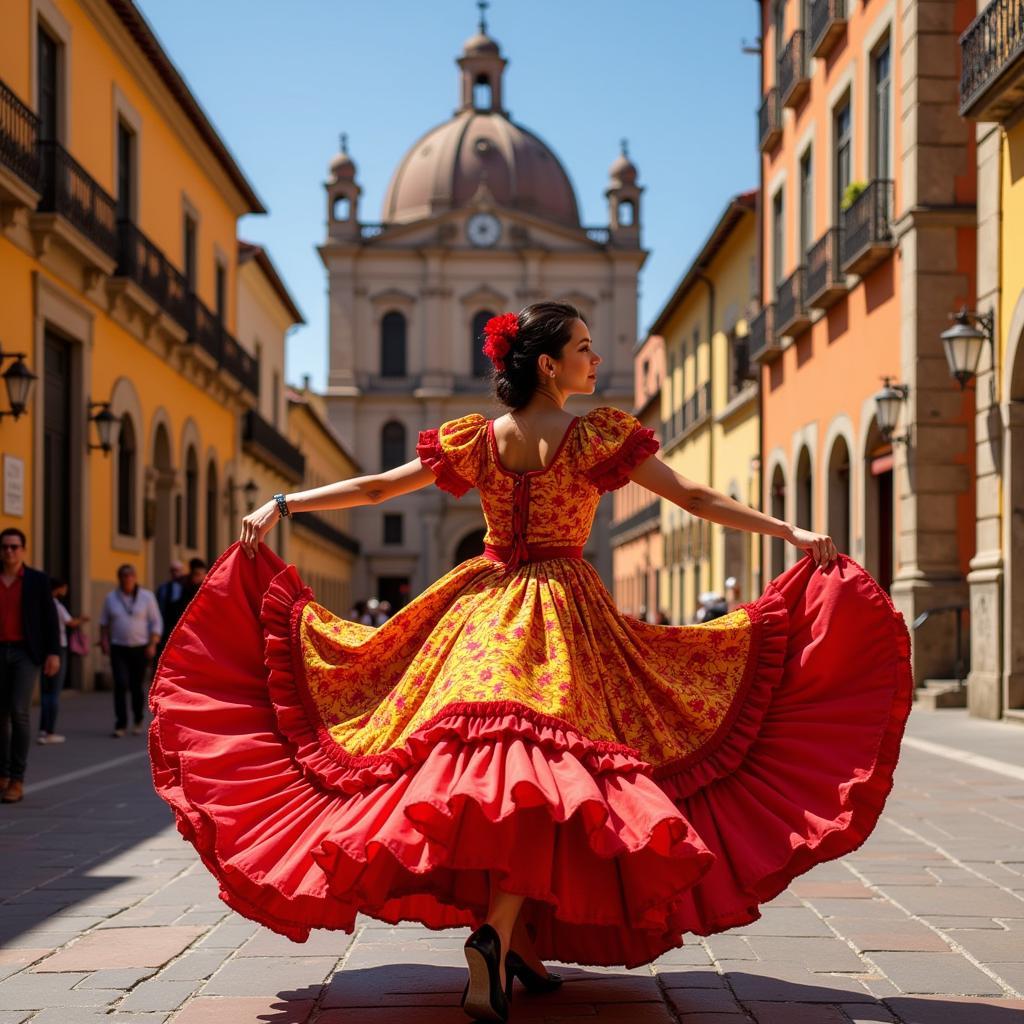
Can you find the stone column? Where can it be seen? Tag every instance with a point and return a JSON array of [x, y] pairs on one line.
[[985, 578], [341, 373]]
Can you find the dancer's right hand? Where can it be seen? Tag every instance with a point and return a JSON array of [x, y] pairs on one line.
[[256, 525], [819, 546]]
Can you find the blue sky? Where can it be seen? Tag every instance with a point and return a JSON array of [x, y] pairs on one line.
[[281, 80]]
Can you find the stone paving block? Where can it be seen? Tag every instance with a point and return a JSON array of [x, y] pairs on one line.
[[865, 1013], [229, 935], [946, 923], [956, 1010], [195, 965], [401, 985], [815, 954], [935, 974], [384, 955], [630, 1013], [784, 921], [120, 978], [953, 900], [28, 991], [852, 890], [268, 976], [877, 908], [992, 947], [379, 1015], [157, 995], [320, 943], [13, 1016], [730, 947], [790, 983], [908, 934], [702, 1000], [243, 1009], [794, 1013], [683, 977], [143, 915], [693, 955], [121, 947], [1011, 974]]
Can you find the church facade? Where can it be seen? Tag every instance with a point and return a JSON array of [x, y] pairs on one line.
[[479, 218]]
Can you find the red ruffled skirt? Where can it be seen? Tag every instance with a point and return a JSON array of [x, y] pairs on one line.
[[619, 856]]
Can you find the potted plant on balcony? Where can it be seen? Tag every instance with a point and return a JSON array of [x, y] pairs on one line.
[[851, 194]]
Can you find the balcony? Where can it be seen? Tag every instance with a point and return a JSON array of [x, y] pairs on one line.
[[825, 283], [764, 344], [263, 441], [992, 62], [71, 197], [19, 152], [791, 316], [828, 23], [769, 120], [867, 229], [221, 349], [791, 71], [141, 262]]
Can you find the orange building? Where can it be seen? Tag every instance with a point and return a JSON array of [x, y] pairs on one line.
[[868, 185]]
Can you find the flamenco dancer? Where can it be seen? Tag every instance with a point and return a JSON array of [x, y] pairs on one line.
[[509, 752]]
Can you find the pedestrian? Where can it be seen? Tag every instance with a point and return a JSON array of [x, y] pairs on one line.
[[516, 755], [168, 593], [663, 619], [383, 612], [357, 611], [29, 639], [130, 629], [371, 616], [51, 686], [190, 584]]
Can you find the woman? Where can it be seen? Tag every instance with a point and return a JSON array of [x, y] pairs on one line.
[[509, 751], [51, 686]]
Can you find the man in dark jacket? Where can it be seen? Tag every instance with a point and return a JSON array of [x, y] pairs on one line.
[[29, 638]]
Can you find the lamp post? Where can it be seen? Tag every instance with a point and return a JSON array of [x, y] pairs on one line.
[[107, 427], [887, 404], [250, 489], [19, 381], [964, 341]]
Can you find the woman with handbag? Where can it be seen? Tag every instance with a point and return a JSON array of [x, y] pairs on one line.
[[51, 686]]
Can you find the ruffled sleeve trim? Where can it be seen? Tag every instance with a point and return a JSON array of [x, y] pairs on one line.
[[431, 454], [613, 472]]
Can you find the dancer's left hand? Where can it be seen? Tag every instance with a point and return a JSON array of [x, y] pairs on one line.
[[256, 525], [819, 546]]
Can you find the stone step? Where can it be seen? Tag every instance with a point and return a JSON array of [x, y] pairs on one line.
[[941, 693]]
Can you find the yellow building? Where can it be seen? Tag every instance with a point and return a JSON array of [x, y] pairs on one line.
[[710, 425], [119, 270], [320, 544]]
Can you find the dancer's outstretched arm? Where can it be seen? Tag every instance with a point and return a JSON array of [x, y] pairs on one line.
[[371, 489], [707, 503]]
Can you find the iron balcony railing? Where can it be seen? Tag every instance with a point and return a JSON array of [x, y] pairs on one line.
[[142, 262], [19, 134], [867, 227], [68, 189], [991, 51], [263, 438], [828, 19], [769, 120], [791, 70], [206, 331], [825, 281], [790, 312], [762, 332]]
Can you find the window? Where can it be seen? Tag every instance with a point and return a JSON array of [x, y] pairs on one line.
[[482, 93], [221, 291], [806, 205], [212, 549], [481, 363], [47, 71], [881, 112], [126, 477], [275, 398], [393, 345], [191, 499], [627, 213], [392, 445], [189, 244], [392, 527], [842, 157], [125, 171], [779, 27], [778, 237]]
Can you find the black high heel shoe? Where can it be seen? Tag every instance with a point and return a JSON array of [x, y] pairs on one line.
[[515, 967], [484, 998]]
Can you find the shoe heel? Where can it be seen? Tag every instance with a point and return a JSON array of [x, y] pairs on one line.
[[484, 998]]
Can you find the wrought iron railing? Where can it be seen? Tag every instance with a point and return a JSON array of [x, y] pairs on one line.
[[262, 434], [791, 67], [206, 331], [823, 270], [868, 220], [19, 134], [599, 235], [769, 118], [141, 261], [68, 189], [825, 14], [789, 300], [762, 330], [988, 45]]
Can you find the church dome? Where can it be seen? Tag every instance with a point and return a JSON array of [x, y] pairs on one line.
[[444, 169], [480, 43]]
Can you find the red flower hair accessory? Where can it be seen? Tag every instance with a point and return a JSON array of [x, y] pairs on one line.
[[500, 332]]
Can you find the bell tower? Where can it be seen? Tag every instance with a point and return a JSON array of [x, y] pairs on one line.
[[481, 66], [623, 195], [342, 196]]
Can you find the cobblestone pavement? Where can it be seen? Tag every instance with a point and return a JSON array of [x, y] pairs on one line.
[[107, 914]]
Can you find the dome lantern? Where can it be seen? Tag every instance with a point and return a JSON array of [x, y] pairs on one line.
[[481, 66], [623, 196], [342, 195]]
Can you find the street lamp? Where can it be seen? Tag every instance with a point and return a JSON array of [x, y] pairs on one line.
[[19, 380], [107, 426], [963, 343], [888, 402], [250, 489]]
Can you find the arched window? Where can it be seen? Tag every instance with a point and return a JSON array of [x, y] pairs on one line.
[[126, 477], [191, 499], [341, 207], [481, 364], [392, 445], [627, 213], [777, 505], [212, 548], [482, 93], [839, 495], [392, 345], [804, 491]]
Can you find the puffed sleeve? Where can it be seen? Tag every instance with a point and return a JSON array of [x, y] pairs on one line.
[[614, 443], [454, 451]]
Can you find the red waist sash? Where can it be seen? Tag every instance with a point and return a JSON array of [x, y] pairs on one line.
[[512, 555]]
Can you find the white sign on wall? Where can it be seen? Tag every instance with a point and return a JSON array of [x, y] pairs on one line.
[[14, 485]]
